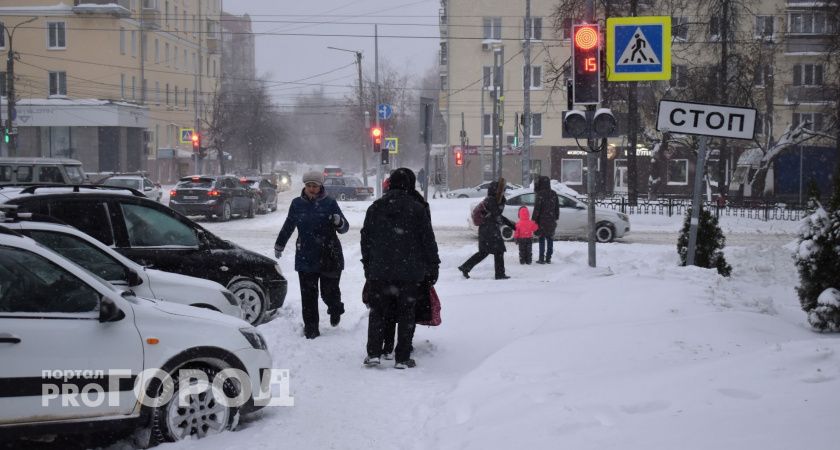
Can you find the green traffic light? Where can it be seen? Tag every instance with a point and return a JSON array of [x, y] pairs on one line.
[[6, 137]]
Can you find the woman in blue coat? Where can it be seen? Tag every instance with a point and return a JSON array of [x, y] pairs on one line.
[[318, 254]]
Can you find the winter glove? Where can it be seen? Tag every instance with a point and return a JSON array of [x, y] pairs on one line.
[[432, 275], [278, 252], [336, 219]]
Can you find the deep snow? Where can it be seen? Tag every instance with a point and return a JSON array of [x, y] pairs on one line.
[[636, 353]]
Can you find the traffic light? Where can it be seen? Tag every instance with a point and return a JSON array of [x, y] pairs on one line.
[[459, 157], [6, 137], [579, 124], [586, 63], [196, 142], [376, 135]]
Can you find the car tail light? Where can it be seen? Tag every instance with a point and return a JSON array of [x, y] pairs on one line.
[[213, 193], [173, 193]]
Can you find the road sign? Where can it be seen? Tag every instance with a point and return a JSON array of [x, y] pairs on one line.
[[706, 119], [639, 48], [384, 111], [186, 135], [393, 145]]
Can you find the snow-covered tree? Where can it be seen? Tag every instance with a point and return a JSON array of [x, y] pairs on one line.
[[818, 261], [710, 243]]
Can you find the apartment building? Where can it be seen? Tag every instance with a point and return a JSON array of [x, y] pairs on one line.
[[784, 39], [112, 82]]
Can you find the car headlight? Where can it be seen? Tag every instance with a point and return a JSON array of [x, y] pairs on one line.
[[284, 180], [623, 217], [230, 297], [254, 338]]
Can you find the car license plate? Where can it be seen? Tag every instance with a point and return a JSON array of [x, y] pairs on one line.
[[190, 197]]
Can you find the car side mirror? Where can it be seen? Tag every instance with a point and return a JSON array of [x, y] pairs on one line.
[[203, 240], [109, 311], [132, 277], [147, 188]]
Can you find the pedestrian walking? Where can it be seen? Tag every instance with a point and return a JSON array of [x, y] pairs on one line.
[[400, 259], [489, 234], [319, 259], [524, 235], [546, 212], [422, 179]]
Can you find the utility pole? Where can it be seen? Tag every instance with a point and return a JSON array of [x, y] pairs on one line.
[[365, 146], [10, 91], [376, 103], [481, 133], [499, 108], [495, 117], [526, 114], [501, 100], [463, 151], [199, 92], [591, 164]]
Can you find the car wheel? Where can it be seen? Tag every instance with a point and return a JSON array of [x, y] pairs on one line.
[[209, 216], [199, 415], [342, 196], [252, 209], [251, 300], [507, 232], [604, 232], [226, 213], [274, 205], [463, 196]]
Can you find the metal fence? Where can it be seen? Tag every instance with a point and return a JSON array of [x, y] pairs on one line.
[[679, 206]]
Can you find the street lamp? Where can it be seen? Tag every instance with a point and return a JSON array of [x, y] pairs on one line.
[[361, 106], [10, 92]]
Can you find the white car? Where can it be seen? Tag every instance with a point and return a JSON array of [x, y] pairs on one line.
[[73, 347], [126, 274], [573, 221], [139, 183], [478, 191]]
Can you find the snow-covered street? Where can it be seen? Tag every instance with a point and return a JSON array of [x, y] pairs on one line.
[[634, 354]]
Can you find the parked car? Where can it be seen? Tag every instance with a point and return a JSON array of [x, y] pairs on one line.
[[265, 191], [140, 183], [573, 221], [125, 274], [478, 191], [157, 237], [25, 170], [64, 330], [333, 171], [213, 195], [347, 188]]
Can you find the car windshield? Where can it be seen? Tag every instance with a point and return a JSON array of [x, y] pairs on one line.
[[123, 182], [75, 174], [195, 183], [355, 182]]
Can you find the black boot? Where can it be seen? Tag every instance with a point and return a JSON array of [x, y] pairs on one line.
[[464, 271], [548, 260], [541, 260]]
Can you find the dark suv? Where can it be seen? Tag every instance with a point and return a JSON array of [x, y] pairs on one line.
[[209, 195], [155, 236]]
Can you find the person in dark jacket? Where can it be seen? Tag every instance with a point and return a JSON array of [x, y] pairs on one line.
[[489, 235], [318, 255], [546, 212], [400, 258]]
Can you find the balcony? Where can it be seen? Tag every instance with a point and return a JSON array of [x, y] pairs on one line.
[[807, 43], [116, 8], [151, 16], [809, 94]]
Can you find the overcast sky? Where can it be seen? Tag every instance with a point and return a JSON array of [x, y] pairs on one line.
[[291, 48]]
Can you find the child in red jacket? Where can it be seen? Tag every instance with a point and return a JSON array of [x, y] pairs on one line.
[[524, 235]]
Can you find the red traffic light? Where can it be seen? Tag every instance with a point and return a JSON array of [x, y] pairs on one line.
[[586, 37], [376, 134], [586, 64], [196, 141], [459, 157]]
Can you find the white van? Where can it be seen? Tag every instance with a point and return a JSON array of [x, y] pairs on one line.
[[25, 170]]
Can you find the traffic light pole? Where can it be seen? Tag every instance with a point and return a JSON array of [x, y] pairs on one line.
[[501, 116], [10, 94], [526, 132], [591, 168]]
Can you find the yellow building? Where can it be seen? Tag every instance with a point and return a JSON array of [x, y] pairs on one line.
[[112, 82]]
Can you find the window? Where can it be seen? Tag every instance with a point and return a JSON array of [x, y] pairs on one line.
[[800, 22], [166, 53], [133, 43], [679, 76], [2, 84], [535, 80], [186, 61], [176, 18], [571, 171], [185, 98], [2, 35], [714, 27], [30, 283], [761, 74], [493, 28], [157, 51], [157, 92], [175, 57], [25, 173], [176, 95], [536, 124], [443, 55], [487, 74], [81, 252], [536, 26], [763, 26], [55, 35], [167, 93], [122, 41], [567, 28], [815, 121], [50, 174], [678, 172], [807, 75], [5, 173], [149, 227], [122, 85], [487, 125], [133, 87], [58, 83], [679, 28], [92, 217], [444, 82]]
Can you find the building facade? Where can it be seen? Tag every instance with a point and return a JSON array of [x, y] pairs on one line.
[[788, 81], [113, 83]]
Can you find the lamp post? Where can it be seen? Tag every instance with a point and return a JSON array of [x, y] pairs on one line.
[[10, 74], [361, 107]]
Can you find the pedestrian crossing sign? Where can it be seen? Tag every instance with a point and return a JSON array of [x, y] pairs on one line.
[[639, 48], [392, 145], [186, 135]]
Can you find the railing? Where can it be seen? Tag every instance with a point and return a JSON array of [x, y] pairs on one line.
[[679, 206]]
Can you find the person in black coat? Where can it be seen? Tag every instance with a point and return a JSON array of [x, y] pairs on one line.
[[400, 259], [489, 233], [546, 212]]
